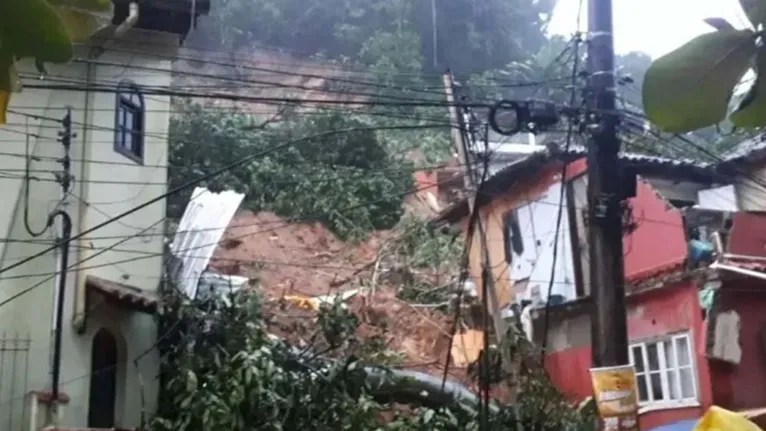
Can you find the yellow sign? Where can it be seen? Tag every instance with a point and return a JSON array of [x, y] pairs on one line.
[[616, 397]]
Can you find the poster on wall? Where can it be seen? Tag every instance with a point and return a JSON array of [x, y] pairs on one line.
[[616, 397]]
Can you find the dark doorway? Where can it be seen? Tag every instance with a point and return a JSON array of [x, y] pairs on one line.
[[103, 381]]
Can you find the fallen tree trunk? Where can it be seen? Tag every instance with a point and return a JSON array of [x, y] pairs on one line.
[[402, 386], [414, 387]]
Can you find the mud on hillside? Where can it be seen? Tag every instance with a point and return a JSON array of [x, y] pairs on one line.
[[306, 259]]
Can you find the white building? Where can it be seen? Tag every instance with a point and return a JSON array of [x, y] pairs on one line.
[[109, 366]]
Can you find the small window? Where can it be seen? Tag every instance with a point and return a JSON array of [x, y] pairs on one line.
[[512, 241], [664, 370], [129, 122]]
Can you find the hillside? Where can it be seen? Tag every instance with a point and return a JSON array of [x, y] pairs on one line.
[[254, 73], [302, 259]]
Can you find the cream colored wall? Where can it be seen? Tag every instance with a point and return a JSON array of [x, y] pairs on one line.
[[492, 215], [110, 184]]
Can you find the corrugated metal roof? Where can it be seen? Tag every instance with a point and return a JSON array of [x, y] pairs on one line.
[[530, 165], [577, 151], [205, 219], [754, 146]]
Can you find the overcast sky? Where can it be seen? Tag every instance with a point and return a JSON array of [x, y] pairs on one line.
[[653, 26]]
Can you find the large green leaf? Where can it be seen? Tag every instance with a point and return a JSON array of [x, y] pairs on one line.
[[29, 28], [755, 11], [690, 87], [752, 109], [7, 76], [32, 28]]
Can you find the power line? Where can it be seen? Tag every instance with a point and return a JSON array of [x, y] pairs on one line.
[[559, 216], [191, 184], [160, 91]]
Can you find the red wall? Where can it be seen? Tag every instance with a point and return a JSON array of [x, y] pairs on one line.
[[655, 220], [662, 311], [740, 387]]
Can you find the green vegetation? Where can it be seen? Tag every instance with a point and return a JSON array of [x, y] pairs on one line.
[[222, 370], [350, 181], [43, 30], [470, 36], [691, 87]]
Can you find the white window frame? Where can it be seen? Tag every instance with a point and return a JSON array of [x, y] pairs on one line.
[[650, 403]]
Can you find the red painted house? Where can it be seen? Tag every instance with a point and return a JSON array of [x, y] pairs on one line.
[[685, 360]]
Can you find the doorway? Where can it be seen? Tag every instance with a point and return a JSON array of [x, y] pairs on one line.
[[103, 381]]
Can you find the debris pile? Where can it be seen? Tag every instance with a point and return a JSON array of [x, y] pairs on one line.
[[300, 265]]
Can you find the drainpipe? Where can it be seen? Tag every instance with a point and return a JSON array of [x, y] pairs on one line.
[[119, 32], [129, 22], [64, 247]]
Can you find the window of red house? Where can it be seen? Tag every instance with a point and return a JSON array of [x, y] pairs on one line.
[[664, 370]]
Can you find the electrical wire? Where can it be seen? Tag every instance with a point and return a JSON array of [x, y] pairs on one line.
[[192, 183], [559, 216], [27, 224]]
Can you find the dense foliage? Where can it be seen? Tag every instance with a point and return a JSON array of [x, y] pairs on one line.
[[470, 36], [223, 371], [422, 261], [350, 180]]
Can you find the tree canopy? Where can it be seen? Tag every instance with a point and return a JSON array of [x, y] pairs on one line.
[[350, 181], [470, 36]]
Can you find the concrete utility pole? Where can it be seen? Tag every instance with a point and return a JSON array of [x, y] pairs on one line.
[[605, 191]]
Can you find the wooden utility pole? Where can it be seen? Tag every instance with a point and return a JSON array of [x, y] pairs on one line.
[[608, 324], [458, 139]]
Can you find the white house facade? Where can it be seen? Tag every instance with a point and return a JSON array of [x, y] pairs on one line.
[[107, 363]]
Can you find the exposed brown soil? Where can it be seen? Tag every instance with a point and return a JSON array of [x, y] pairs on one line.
[[306, 259]]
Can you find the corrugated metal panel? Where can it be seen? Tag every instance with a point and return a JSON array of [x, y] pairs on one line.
[[747, 148], [204, 221]]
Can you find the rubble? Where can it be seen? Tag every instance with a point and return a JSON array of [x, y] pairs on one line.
[[306, 260]]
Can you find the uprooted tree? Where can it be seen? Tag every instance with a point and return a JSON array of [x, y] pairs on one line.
[[222, 370]]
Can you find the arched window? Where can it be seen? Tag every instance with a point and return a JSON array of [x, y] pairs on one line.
[[103, 381], [129, 122]]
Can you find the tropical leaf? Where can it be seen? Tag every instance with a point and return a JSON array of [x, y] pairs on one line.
[[752, 109], [690, 88], [719, 23], [755, 11], [32, 28], [29, 28], [7, 74]]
